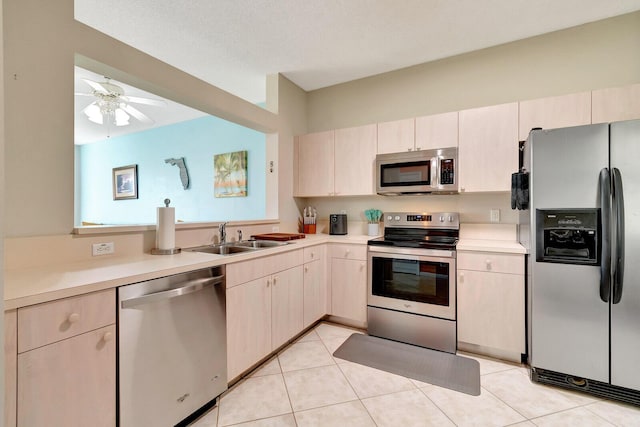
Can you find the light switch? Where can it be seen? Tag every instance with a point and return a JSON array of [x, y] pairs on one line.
[[495, 215]]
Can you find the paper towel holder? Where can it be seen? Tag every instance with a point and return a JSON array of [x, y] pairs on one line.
[[156, 251]]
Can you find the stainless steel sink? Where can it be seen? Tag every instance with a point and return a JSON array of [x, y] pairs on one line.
[[222, 249], [259, 243]]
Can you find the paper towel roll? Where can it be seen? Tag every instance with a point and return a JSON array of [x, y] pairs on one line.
[[166, 228]]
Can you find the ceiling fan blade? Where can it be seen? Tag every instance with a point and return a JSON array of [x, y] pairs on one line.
[[136, 113], [96, 86], [147, 101]]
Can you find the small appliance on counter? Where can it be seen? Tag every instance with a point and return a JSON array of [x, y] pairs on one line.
[[338, 224]]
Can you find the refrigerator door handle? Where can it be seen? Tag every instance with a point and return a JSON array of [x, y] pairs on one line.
[[618, 211], [605, 263]]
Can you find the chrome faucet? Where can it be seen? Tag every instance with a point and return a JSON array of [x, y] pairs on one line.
[[239, 235], [222, 229]]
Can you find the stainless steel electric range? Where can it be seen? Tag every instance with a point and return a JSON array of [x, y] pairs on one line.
[[412, 279]]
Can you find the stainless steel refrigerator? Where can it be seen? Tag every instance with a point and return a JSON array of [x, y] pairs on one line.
[[582, 229]]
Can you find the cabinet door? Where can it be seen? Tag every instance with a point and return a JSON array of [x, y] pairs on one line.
[[396, 136], [69, 383], [315, 292], [554, 112], [10, 367], [355, 155], [315, 164], [287, 305], [616, 104], [349, 289], [437, 131], [248, 325], [491, 310], [488, 148]]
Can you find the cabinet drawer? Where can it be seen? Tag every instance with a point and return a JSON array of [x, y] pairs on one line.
[[245, 271], [349, 252], [314, 253], [46, 323], [493, 262]]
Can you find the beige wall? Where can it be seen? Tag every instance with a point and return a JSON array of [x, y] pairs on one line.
[[592, 56], [42, 42]]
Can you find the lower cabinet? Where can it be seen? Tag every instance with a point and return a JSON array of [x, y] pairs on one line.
[[349, 282], [491, 303], [66, 362], [264, 312], [315, 284]]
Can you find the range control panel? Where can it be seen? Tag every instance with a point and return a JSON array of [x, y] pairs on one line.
[[422, 219]]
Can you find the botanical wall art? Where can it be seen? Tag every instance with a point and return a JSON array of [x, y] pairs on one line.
[[230, 174], [125, 182]]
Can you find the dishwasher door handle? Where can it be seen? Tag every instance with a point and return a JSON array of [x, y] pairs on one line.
[[186, 288]]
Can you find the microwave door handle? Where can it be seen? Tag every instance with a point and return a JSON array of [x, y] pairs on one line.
[[434, 172]]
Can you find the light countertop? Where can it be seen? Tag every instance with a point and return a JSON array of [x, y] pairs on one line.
[[481, 245]]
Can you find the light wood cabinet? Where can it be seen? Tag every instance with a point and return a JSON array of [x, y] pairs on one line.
[[616, 104], [437, 131], [349, 282], [554, 112], [315, 284], [248, 325], [10, 367], [264, 307], [337, 163], [396, 136], [488, 148], [287, 304], [491, 304], [67, 362], [315, 164]]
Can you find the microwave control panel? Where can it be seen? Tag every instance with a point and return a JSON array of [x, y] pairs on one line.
[[447, 172]]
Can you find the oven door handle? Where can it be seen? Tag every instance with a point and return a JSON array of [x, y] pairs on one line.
[[186, 288]]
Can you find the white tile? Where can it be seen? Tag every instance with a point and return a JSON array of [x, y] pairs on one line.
[[315, 387], [573, 417], [303, 355], [369, 382], [406, 408], [332, 345], [270, 367], [328, 330], [530, 399], [352, 414], [210, 419], [620, 414], [287, 420], [466, 410], [254, 398], [309, 336]]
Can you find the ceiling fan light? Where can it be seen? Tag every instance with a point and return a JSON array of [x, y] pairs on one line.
[[94, 114], [121, 118]]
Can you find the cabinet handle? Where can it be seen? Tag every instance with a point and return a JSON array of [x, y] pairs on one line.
[[275, 279], [410, 149], [268, 282], [461, 277], [418, 148], [108, 336], [306, 269], [361, 267], [347, 252], [488, 262], [313, 254], [73, 318]]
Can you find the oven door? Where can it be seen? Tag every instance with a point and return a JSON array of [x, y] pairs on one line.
[[420, 281]]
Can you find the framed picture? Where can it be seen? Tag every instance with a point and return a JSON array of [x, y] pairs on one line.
[[230, 171], [125, 182]]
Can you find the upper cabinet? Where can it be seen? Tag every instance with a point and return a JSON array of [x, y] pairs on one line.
[[554, 112], [488, 148], [396, 136], [437, 131], [315, 164], [615, 104], [337, 163], [421, 133]]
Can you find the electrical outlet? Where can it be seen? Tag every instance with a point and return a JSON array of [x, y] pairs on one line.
[[102, 248], [495, 215], [275, 229]]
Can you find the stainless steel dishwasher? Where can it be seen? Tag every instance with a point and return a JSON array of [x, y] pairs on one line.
[[172, 356]]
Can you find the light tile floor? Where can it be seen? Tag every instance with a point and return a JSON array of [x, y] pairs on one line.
[[304, 385]]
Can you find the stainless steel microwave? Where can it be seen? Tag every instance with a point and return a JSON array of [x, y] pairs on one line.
[[417, 172]]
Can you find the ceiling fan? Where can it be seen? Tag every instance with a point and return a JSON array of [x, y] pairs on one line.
[[113, 106]]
